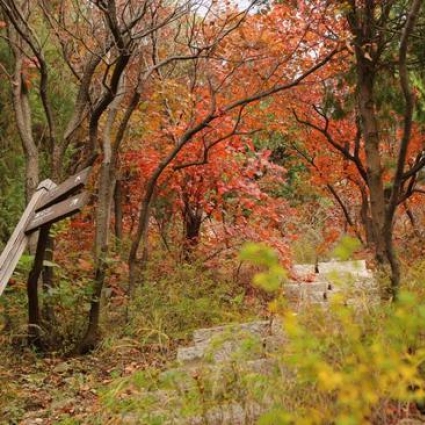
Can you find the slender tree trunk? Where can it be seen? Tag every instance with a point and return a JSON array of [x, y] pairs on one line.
[[48, 275], [110, 150], [118, 199], [394, 263], [192, 221], [32, 172], [412, 220], [136, 266], [34, 316], [103, 212], [22, 112], [90, 339], [367, 221], [366, 106], [48, 283], [140, 237], [106, 184], [363, 26]]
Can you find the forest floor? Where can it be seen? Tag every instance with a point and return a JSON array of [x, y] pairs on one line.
[[51, 390]]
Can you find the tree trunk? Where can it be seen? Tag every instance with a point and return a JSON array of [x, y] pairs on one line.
[[107, 180], [412, 220], [364, 28], [90, 339], [118, 196], [34, 317], [366, 105], [106, 184], [22, 112], [192, 221], [134, 265], [392, 291], [367, 221]]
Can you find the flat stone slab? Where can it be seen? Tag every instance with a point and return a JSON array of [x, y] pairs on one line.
[[229, 341], [308, 292], [191, 353], [355, 268], [228, 414], [303, 271], [187, 377], [260, 327]]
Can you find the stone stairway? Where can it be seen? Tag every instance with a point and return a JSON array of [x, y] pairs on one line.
[[320, 284], [209, 384], [204, 385]]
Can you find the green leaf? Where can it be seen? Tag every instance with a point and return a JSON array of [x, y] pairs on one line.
[[259, 254], [272, 280], [344, 250]]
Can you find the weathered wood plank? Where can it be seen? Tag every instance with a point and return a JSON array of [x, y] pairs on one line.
[[69, 187], [18, 241], [57, 212]]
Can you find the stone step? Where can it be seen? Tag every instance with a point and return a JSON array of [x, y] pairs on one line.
[[215, 375], [301, 294], [304, 293], [229, 414], [200, 395], [226, 414], [260, 328], [353, 268], [244, 341]]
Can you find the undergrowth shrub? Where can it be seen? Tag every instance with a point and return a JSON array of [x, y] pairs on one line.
[[350, 365], [64, 306], [13, 303], [175, 301], [11, 191], [350, 368]]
